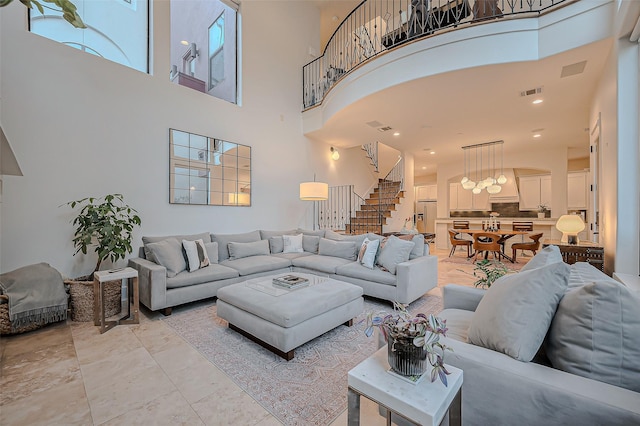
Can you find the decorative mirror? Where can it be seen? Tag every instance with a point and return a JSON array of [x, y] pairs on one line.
[[209, 171]]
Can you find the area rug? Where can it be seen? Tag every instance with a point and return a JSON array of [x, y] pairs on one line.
[[311, 389]]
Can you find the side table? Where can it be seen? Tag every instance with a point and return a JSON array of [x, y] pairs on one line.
[[584, 251], [425, 403], [132, 315]]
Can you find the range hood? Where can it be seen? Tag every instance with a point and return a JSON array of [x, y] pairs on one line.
[[509, 193]]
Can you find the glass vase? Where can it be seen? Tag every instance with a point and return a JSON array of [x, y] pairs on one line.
[[405, 358]]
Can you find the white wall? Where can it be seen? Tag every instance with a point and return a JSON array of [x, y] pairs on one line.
[[81, 126]]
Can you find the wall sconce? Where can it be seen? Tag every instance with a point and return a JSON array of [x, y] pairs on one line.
[[570, 225], [335, 155]]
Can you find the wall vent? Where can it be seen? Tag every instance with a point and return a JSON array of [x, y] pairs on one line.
[[385, 128], [530, 92], [573, 69]]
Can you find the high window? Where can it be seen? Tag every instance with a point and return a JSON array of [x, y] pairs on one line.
[[117, 30], [204, 47]]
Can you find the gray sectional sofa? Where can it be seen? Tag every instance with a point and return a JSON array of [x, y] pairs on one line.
[[407, 273], [553, 345]]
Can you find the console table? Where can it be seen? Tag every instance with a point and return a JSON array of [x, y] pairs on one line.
[[582, 252], [425, 403]]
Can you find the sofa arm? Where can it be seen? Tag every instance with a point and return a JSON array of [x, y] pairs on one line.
[[152, 283], [416, 277], [500, 390], [461, 297]]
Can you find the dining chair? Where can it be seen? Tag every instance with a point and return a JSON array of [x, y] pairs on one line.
[[460, 224], [533, 245], [486, 242], [457, 242], [522, 226]]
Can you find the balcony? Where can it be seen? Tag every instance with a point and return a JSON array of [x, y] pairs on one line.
[[377, 27]]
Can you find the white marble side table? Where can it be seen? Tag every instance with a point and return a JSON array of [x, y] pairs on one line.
[[425, 403], [133, 298]]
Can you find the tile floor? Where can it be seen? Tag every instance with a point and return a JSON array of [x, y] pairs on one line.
[[70, 374]]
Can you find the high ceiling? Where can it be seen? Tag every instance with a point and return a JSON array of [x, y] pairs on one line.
[[442, 113]]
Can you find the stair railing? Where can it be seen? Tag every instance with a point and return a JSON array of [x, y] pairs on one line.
[[344, 203], [390, 187]]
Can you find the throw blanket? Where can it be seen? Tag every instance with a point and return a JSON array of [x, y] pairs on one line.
[[36, 295]]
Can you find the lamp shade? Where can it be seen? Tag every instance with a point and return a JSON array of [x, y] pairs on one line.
[[314, 191], [570, 225]]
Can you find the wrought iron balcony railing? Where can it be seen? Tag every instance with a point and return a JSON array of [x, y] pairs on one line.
[[376, 26]]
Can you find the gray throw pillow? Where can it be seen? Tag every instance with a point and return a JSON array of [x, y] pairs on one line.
[[314, 233], [168, 253], [265, 235], [418, 247], [276, 244], [394, 251], [212, 252], [596, 334], [205, 236], [546, 256], [310, 243], [240, 250], [223, 241], [343, 249], [515, 313]]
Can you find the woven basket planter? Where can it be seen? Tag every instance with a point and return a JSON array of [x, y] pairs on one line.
[[81, 299]]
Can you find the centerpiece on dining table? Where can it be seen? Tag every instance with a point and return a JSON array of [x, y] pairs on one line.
[[413, 343]]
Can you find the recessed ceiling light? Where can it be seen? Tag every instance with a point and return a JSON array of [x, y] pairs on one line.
[[184, 42], [396, 134], [537, 101], [424, 167], [432, 152], [537, 135]]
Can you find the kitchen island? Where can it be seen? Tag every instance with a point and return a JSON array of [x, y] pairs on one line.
[[545, 226]]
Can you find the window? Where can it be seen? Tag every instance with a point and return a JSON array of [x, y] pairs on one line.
[[209, 39], [117, 30], [216, 52]]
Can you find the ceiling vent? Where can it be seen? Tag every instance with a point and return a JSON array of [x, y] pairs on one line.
[[573, 69], [375, 124], [531, 92], [385, 128]]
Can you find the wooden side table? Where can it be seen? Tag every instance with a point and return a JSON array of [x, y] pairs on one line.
[[132, 315], [425, 403], [582, 252]]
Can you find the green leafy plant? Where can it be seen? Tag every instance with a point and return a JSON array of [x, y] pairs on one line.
[[68, 9], [487, 271], [422, 330], [542, 208], [106, 224]]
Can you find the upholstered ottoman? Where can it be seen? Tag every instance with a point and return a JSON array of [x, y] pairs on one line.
[[281, 319]]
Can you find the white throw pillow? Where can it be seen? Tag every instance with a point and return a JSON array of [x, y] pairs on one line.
[[292, 243], [368, 251], [197, 256]]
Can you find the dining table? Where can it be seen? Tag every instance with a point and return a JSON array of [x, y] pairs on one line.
[[504, 234]]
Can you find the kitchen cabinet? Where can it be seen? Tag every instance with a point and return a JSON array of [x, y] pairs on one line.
[[427, 193], [535, 190], [465, 199], [577, 191]]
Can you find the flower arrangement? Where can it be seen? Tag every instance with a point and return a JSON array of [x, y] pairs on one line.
[[421, 331]]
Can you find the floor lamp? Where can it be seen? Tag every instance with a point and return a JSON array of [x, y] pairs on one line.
[[314, 191]]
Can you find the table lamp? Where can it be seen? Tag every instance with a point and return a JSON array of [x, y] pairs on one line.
[[570, 225]]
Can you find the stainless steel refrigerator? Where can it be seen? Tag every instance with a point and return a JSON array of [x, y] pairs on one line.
[[427, 211]]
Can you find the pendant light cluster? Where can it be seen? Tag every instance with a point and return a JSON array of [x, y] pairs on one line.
[[484, 155]]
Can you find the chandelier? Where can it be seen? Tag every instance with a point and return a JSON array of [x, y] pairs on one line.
[[484, 165]]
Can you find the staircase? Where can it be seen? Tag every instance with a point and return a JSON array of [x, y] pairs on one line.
[[375, 209]]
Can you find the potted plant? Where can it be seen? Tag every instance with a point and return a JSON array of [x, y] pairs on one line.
[[488, 271], [412, 342], [542, 211], [68, 9], [106, 225]]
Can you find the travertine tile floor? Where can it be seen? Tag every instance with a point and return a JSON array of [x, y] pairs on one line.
[[68, 374]]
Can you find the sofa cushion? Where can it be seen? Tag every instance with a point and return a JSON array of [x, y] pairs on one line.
[[240, 250], [212, 252], [310, 243], [584, 273], [203, 275], [314, 233], [367, 253], [205, 236], [418, 241], [256, 264], [546, 256], [394, 251], [514, 315], [596, 334], [315, 262], [265, 235], [458, 322], [376, 275], [223, 241], [168, 253], [291, 256], [343, 249], [196, 252], [292, 243], [276, 244]]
